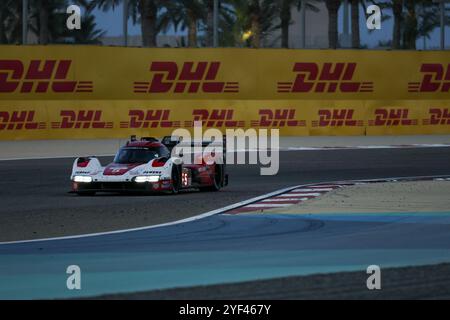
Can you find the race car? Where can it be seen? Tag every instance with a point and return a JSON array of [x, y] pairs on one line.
[[147, 165]]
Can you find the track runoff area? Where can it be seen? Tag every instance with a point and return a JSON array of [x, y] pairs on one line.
[[147, 245]]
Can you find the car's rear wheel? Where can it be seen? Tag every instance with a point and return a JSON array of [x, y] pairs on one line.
[[176, 180], [217, 181]]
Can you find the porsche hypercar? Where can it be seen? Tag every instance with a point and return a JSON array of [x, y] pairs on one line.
[[146, 165]]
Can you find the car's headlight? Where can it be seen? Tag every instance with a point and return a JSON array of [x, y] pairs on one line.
[[140, 179], [85, 179]]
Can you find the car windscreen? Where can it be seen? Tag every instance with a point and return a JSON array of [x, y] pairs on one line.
[[136, 155]]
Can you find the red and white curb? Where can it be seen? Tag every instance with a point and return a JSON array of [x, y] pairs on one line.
[[307, 192], [295, 196]]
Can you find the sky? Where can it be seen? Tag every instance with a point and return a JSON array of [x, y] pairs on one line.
[[111, 21]]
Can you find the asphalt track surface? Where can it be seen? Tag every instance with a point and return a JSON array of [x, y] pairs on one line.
[[35, 203], [222, 248]]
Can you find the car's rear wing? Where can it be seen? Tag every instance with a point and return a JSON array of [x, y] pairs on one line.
[[172, 141], [149, 139]]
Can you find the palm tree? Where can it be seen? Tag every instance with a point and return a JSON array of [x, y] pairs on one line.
[[49, 26], [285, 21], [253, 21], [333, 8], [397, 10], [209, 23], [47, 20], [420, 23], [396, 6], [7, 10], [430, 19], [410, 25], [225, 23], [285, 9], [2, 24], [410, 33], [143, 11], [49, 17], [356, 42], [88, 34], [148, 10], [10, 22], [187, 14], [42, 9], [254, 10]]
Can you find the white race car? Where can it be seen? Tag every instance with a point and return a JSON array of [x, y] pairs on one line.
[[145, 165]]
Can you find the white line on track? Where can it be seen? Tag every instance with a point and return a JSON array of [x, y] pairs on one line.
[[431, 145], [56, 157], [220, 210], [436, 145], [311, 190], [200, 216], [281, 199]]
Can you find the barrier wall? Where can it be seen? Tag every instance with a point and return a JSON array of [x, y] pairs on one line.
[[59, 92]]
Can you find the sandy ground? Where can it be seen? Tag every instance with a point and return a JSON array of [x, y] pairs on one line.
[[73, 148], [417, 196]]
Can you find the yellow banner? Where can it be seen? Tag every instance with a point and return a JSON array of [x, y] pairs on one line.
[[114, 73], [34, 119], [60, 92]]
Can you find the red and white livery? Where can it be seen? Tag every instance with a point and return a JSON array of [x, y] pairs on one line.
[[148, 166]]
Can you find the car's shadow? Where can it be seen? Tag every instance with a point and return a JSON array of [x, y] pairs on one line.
[[133, 194]]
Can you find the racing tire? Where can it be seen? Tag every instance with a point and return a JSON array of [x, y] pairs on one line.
[[217, 181]]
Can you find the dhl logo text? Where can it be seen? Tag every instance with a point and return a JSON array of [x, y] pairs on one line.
[[337, 118], [215, 118], [438, 116], [82, 119], [192, 77], [392, 117], [39, 76], [277, 118], [19, 120], [330, 78], [436, 78], [141, 119]]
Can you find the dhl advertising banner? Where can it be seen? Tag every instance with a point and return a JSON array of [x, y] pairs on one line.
[[59, 92], [59, 119]]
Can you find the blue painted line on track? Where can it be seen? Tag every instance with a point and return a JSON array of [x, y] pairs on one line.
[[224, 248]]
